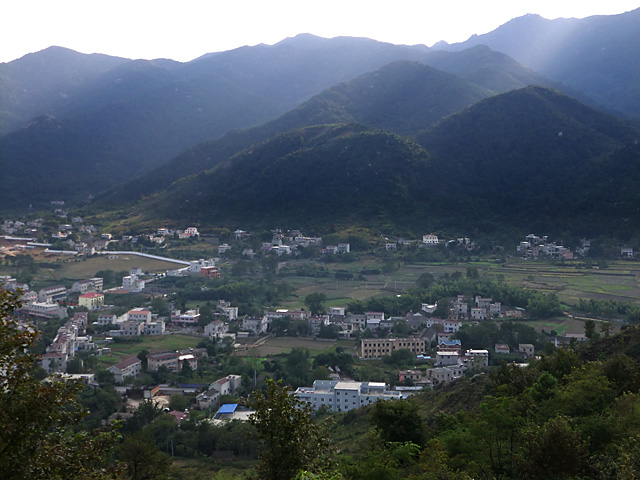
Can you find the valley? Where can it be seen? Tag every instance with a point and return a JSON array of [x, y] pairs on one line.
[[314, 260]]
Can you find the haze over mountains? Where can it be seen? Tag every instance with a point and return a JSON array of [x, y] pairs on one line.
[[76, 125]]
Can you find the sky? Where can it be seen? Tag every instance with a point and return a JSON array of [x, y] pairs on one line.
[[186, 29]]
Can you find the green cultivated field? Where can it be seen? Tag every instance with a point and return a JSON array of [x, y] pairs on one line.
[[152, 344], [71, 269], [620, 281], [276, 345]]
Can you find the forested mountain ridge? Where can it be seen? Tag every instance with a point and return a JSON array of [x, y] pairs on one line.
[[137, 114], [529, 157], [402, 97], [117, 119], [316, 177], [522, 158]]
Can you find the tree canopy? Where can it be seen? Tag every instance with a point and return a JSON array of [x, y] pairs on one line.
[[38, 440], [289, 440]]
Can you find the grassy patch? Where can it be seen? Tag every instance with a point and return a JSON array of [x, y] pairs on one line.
[[152, 344]]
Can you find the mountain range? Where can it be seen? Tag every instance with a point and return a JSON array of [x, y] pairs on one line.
[[333, 131]]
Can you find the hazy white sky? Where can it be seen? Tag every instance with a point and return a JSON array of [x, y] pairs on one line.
[[185, 29]]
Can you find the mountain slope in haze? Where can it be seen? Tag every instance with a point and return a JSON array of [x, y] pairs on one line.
[[140, 114], [40, 83], [402, 97], [597, 55], [530, 156], [315, 176]]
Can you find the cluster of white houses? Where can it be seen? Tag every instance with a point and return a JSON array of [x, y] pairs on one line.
[[140, 321], [342, 396], [70, 338], [534, 246], [46, 303]]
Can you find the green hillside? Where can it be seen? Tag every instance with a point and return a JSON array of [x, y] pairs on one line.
[[529, 158], [317, 176], [402, 97]]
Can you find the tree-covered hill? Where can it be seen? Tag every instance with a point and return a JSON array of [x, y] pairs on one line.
[[529, 158], [402, 97], [317, 176], [138, 114]]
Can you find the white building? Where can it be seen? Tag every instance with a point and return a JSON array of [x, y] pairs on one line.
[[45, 310], [344, 248], [195, 266], [342, 396], [106, 319], [185, 319], [255, 325], [87, 286], [154, 328], [129, 367], [132, 283], [216, 329], [139, 315], [430, 239]]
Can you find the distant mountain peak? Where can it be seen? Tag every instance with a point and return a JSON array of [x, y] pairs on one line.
[[302, 40]]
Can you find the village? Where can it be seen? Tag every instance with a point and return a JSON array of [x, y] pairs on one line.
[[427, 336]]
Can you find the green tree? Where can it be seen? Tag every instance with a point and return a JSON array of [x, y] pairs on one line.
[[554, 450], [143, 459], [179, 402], [37, 419], [279, 326], [289, 440], [590, 329], [315, 302], [398, 421], [442, 309], [425, 280]]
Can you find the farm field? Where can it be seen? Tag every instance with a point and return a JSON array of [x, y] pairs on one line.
[[70, 269], [152, 344], [569, 281], [276, 345]]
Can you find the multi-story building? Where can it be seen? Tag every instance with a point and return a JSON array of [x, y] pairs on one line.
[[216, 329], [45, 310], [163, 359], [341, 396], [430, 239], [139, 315], [91, 300], [210, 272], [255, 325], [154, 328], [132, 283], [107, 319], [52, 294], [344, 248], [186, 319], [378, 347], [450, 346], [86, 286], [445, 374], [129, 367], [131, 328]]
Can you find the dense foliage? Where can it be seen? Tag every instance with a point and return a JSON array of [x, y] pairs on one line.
[[39, 420]]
